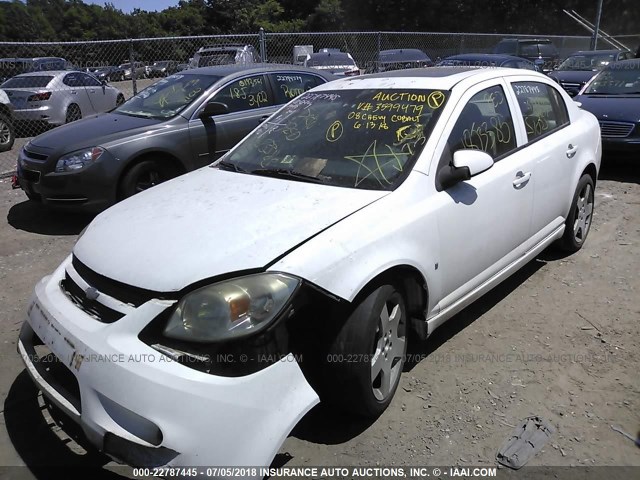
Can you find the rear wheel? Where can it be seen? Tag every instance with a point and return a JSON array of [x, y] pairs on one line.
[[578, 222], [142, 176], [367, 357], [73, 113], [7, 133]]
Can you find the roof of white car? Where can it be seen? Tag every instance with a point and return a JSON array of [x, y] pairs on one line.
[[47, 73], [441, 78]]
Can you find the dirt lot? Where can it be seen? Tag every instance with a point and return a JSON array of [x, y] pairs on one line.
[[560, 339]]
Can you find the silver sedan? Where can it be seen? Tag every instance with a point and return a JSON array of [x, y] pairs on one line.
[[58, 97]]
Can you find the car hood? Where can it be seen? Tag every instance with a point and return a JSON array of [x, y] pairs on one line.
[[612, 107], [572, 76], [92, 131], [208, 223]]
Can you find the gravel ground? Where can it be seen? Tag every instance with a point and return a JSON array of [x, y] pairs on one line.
[[559, 339]]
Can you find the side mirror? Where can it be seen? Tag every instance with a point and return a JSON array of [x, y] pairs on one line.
[[213, 108], [465, 164], [475, 161]]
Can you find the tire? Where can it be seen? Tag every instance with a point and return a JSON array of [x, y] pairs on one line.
[[73, 113], [142, 176], [579, 219], [7, 133], [366, 359], [119, 100]]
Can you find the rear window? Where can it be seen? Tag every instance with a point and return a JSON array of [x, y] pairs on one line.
[[224, 57], [329, 60], [28, 82]]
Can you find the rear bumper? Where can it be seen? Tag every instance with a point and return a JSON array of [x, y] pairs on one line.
[[43, 114], [140, 407]]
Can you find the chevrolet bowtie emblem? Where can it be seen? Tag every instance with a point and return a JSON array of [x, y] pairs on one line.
[[91, 293]]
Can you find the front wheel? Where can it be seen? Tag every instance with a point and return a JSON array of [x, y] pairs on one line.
[[367, 357], [578, 222], [142, 176]]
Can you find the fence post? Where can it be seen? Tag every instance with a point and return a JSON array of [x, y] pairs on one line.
[[263, 44], [379, 43], [133, 70]]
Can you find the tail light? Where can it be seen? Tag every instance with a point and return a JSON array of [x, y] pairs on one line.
[[39, 97]]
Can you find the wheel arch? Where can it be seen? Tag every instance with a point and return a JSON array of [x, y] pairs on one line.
[[592, 171], [5, 110], [414, 287], [175, 164]]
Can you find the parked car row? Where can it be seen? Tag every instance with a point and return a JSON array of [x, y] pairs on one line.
[[179, 123]]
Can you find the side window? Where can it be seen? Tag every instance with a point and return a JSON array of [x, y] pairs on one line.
[[290, 85], [244, 94], [89, 81], [71, 80], [484, 124], [542, 107]]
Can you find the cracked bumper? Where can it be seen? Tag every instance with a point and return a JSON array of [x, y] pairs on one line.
[[141, 408]]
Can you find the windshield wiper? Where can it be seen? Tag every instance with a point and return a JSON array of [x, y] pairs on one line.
[[232, 167], [285, 173], [137, 115]]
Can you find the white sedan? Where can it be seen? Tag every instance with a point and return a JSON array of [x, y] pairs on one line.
[[60, 96], [197, 322]]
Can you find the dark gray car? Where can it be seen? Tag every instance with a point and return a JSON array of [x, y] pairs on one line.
[[180, 123]]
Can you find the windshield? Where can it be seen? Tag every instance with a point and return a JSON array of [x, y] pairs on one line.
[[365, 139], [616, 81], [586, 62], [167, 97], [28, 82]]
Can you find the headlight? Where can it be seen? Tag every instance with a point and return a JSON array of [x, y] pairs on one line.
[[77, 160], [231, 309]]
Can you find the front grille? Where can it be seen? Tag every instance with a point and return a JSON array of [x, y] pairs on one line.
[[571, 85], [32, 176], [125, 293], [94, 308], [616, 129], [34, 156]]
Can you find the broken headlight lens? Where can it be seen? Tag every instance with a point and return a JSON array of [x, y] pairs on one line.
[[231, 309]]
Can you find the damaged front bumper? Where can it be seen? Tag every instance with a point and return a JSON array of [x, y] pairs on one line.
[[141, 408]]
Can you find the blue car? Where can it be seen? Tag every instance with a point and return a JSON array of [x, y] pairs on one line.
[[613, 96]]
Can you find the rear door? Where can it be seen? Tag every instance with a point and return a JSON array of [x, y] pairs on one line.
[[100, 97], [553, 141], [73, 88], [250, 102]]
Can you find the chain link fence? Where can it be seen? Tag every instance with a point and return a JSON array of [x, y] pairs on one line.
[[71, 80]]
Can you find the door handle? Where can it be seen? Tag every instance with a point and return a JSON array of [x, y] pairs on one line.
[[263, 118], [571, 151], [521, 179]]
